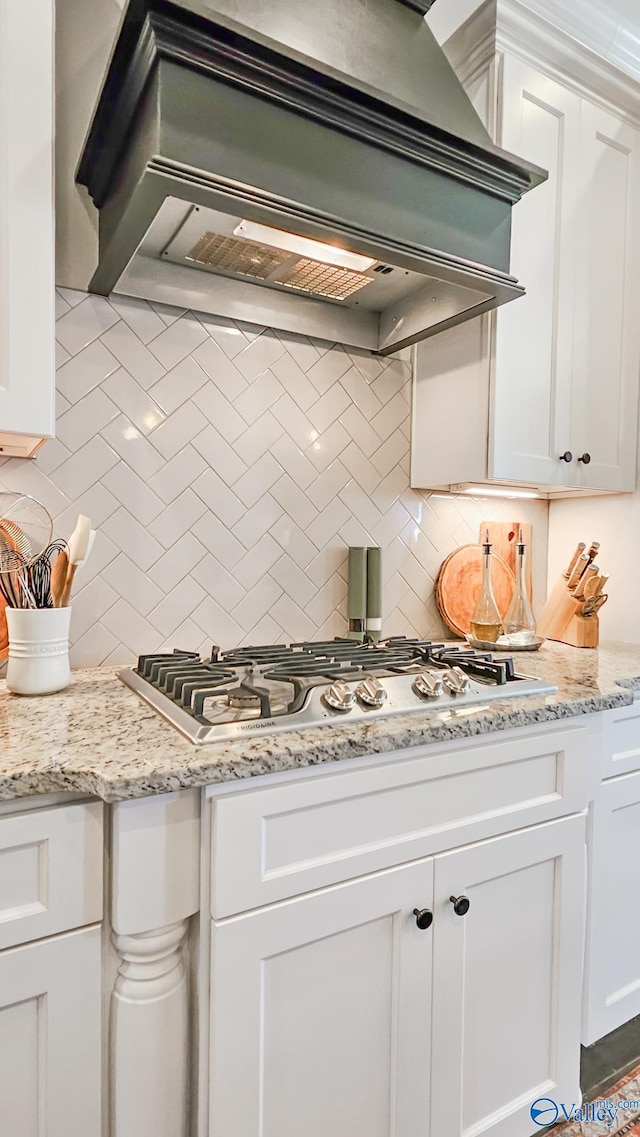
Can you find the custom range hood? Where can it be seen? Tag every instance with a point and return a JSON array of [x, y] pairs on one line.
[[313, 165]]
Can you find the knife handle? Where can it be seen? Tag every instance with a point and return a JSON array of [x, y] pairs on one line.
[[587, 577], [574, 560], [580, 566], [591, 583], [602, 580]]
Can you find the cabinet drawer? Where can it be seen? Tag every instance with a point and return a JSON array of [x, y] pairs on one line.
[[621, 741], [270, 844], [50, 871]]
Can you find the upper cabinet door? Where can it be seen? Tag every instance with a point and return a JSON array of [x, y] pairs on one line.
[[27, 383], [607, 315], [531, 421]]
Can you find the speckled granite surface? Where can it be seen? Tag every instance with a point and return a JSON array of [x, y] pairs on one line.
[[98, 737]]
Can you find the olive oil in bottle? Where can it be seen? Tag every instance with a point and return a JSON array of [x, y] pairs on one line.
[[486, 622]]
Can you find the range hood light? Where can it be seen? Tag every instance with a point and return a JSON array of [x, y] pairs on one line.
[[304, 246]]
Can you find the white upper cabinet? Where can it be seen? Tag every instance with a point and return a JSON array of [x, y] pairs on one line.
[[531, 423], [606, 353], [544, 392], [27, 375]]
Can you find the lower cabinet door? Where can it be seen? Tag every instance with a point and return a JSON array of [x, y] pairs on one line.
[[507, 979], [50, 1037], [320, 1017], [612, 980]]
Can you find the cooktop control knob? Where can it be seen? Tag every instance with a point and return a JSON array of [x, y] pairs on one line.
[[339, 697], [456, 682], [428, 685], [371, 692]]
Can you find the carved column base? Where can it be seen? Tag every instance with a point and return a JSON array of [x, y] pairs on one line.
[[149, 1035]]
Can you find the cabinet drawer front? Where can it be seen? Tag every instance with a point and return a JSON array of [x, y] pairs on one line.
[[50, 871], [273, 843], [621, 749]]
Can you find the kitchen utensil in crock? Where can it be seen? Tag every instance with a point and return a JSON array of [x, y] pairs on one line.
[[59, 577], [25, 531], [79, 543]]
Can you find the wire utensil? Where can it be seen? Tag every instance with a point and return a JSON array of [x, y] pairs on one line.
[[25, 533]]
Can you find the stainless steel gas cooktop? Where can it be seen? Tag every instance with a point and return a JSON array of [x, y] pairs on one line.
[[287, 687]]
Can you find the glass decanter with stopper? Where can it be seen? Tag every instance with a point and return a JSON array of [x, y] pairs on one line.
[[486, 622], [519, 622]]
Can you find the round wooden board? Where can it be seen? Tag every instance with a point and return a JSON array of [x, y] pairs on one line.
[[459, 582]]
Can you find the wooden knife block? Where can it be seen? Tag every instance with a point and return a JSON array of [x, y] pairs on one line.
[[561, 619]]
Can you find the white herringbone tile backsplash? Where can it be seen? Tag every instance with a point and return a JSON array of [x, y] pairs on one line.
[[227, 468]]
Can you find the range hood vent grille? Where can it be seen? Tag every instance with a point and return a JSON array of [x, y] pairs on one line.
[[247, 258], [241, 257], [324, 280]]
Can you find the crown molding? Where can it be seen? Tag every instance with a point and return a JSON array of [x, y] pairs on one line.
[[511, 25]]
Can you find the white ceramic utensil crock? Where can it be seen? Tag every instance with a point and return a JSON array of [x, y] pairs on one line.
[[38, 650]]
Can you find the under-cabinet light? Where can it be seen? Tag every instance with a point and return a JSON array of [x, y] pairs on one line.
[[304, 246], [495, 491]]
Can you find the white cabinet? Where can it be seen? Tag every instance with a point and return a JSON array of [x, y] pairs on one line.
[[556, 372], [50, 1037], [606, 355], [613, 974], [332, 1012], [51, 989], [507, 979], [531, 381], [612, 971], [27, 385], [320, 1013]]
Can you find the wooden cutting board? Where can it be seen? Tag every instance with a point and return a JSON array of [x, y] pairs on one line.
[[504, 537], [459, 582]]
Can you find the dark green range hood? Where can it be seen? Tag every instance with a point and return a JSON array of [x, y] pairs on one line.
[[313, 165]]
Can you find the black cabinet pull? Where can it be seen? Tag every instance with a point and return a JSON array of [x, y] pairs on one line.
[[461, 904], [566, 457], [424, 918], [586, 458]]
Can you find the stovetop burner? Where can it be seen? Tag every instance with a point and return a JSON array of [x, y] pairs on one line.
[[282, 687]]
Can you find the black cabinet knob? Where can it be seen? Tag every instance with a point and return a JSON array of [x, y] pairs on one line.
[[424, 918], [586, 458], [567, 456], [461, 904]]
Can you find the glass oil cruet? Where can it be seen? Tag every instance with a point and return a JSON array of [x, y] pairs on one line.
[[519, 622], [486, 622]]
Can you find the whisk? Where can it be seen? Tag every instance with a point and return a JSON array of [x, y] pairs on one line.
[[25, 533], [30, 585]]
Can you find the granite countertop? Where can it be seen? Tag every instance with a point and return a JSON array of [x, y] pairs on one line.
[[97, 737]]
